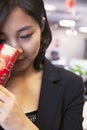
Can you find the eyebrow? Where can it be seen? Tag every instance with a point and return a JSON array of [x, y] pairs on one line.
[[24, 28], [20, 30]]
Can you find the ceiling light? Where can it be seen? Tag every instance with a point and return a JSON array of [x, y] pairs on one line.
[[49, 7], [71, 32], [68, 32], [67, 23], [83, 29]]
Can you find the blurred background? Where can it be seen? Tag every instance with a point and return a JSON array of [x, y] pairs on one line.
[[68, 49], [68, 22]]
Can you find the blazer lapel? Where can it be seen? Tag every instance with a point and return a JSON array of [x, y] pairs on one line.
[[49, 98]]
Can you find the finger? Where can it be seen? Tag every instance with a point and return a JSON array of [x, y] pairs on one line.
[[4, 98], [3, 108], [6, 91]]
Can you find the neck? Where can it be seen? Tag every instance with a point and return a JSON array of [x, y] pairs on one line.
[[29, 75]]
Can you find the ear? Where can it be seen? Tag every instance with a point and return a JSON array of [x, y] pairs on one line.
[[43, 23]]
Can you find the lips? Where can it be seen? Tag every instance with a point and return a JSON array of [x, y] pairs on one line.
[[21, 60]]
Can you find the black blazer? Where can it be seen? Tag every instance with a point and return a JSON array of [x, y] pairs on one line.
[[61, 100]]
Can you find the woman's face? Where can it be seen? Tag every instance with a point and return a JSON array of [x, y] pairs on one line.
[[22, 32]]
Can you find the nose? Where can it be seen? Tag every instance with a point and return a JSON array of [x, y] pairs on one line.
[[18, 47]]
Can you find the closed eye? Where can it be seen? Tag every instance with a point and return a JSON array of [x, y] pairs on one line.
[[2, 41], [26, 36]]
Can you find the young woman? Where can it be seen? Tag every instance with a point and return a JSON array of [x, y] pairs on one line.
[[38, 95]]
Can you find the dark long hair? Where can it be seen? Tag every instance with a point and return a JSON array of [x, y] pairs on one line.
[[36, 9]]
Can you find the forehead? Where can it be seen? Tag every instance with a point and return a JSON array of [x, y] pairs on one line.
[[18, 18]]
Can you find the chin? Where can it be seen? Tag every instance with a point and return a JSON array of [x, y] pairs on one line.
[[19, 70]]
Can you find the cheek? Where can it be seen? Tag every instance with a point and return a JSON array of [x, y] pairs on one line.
[[32, 48]]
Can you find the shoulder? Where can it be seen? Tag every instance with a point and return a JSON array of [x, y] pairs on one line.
[[70, 84], [66, 74], [64, 78], [60, 72]]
